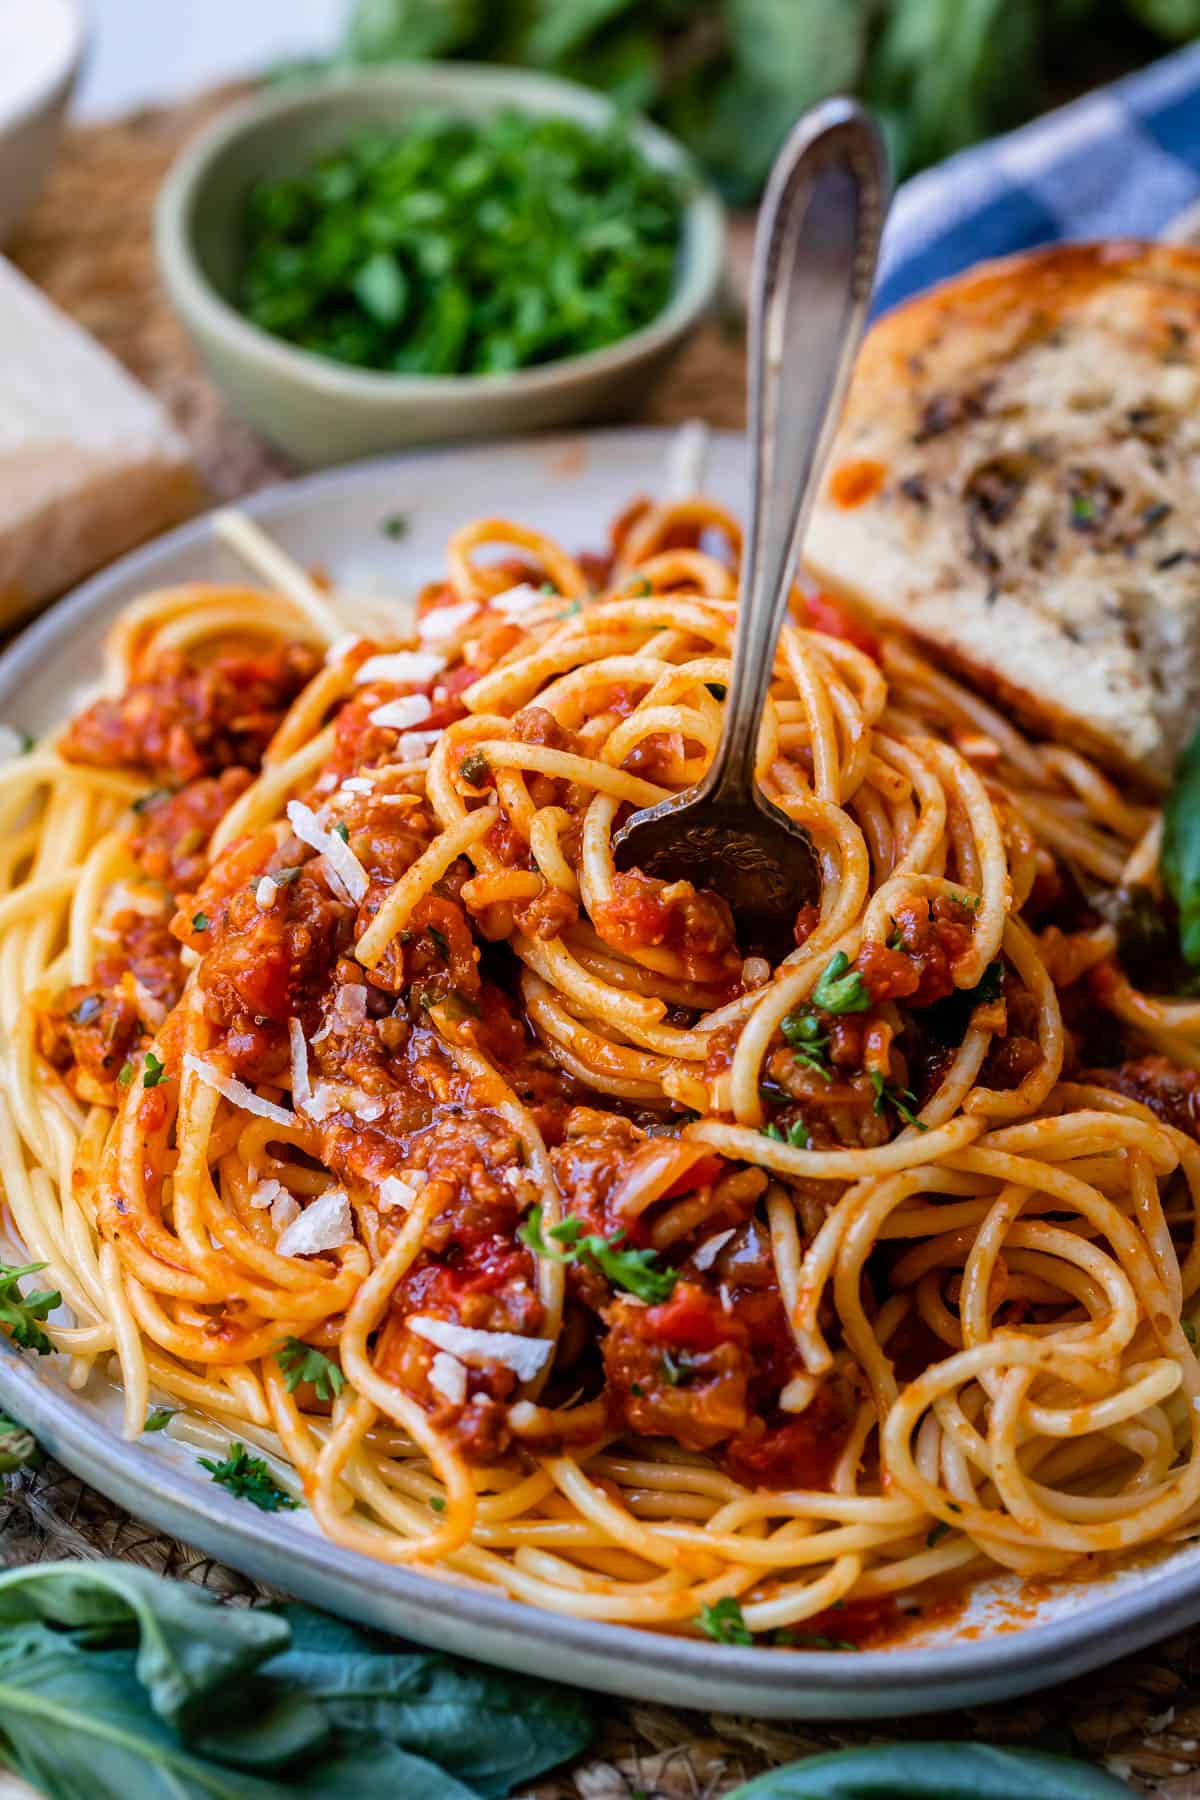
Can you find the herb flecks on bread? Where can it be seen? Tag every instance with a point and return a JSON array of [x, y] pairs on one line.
[[1017, 482]]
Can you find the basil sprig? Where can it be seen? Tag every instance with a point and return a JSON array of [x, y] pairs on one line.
[[115, 1683]]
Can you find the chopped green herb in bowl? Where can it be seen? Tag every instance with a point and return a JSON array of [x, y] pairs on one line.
[[419, 254], [460, 247]]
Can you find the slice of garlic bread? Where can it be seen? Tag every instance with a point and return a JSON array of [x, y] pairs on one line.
[[1016, 480]]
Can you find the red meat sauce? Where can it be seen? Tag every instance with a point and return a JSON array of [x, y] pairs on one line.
[[188, 716], [708, 1364], [199, 726]]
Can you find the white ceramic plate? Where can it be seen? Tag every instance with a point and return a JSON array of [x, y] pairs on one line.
[[1005, 1642]]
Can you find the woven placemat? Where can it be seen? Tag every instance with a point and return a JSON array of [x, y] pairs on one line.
[[88, 244]]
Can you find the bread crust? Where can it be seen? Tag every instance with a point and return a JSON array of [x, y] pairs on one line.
[[1016, 483]]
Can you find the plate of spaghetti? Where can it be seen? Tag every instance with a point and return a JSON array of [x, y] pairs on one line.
[[408, 1207]]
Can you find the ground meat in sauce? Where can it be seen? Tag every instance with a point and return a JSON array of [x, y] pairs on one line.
[[266, 964], [170, 842], [186, 718], [645, 913], [918, 963], [88, 1032]]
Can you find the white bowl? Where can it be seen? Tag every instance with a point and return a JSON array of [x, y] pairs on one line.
[[41, 47]]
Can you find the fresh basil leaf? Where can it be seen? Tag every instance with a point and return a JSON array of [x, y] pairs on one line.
[[493, 1731], [1180, 858], [935, 1772], [77, 1725], [188, 1644], [231, 1704]]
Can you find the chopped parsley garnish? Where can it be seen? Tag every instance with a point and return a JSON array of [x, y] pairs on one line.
[[440, 941], [895, 940], [797, 1134], [568, 612], [21, 1315], [159, 1418], [641, 588], [901, 1100], [457, 246], [802, 1030], [199, 921], [151, 798], [126, 1075], [436, 1503], [475, 768], [723, 1622], [342, 830], [548, 587], [395, 526], [154, 1070], [248, 1478], [631, 1270], [839, 991], [300, 1362], [1189, 1330], [1083, 509]]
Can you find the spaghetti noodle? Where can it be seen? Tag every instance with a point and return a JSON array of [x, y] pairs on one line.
[[543, 1234]]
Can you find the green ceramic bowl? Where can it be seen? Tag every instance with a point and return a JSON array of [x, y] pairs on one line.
[[324, 412]]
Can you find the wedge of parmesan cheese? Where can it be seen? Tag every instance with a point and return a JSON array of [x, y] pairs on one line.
[[89, 463]]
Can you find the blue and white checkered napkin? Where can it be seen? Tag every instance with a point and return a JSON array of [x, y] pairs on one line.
[[1122, 162]]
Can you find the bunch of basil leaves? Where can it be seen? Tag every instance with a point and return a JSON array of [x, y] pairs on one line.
[[118, 1685], [730, 76]]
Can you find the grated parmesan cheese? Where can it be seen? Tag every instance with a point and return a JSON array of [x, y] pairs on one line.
[[517, 600], [337, 853], [411, 746], [325, 1099], [399, 714], [401, 1190], [711, 1248], [448, 1377], [369, 1110], [525, 1356], [341, 647], [266, 1193], [445, 621], [265, 892], [400, 666], [325, 1224], [236, 1092], [301, 1086], [285, 1210], [357, 784]]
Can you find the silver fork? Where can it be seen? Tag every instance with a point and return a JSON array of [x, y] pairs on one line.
[[815, 253]]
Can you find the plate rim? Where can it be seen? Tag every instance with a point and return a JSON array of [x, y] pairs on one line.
[[620, 1659]]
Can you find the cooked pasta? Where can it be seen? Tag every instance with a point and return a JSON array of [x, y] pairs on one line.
[[541, 1233]]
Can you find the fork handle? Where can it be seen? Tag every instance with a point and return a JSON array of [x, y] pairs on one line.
[[815, 252]]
